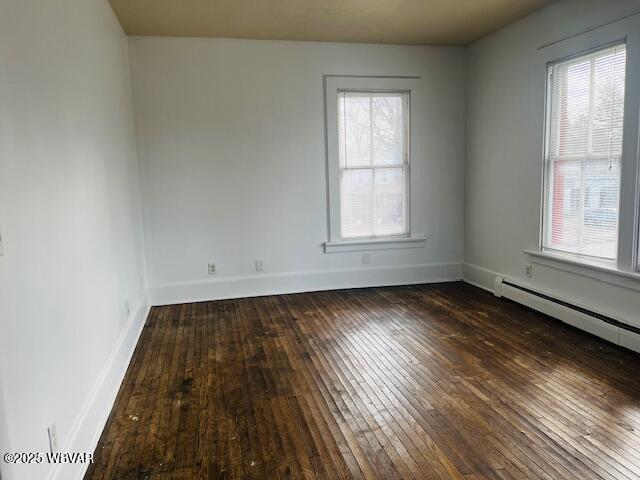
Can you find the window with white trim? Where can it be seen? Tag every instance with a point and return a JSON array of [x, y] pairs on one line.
[[585, 102], [373, 147], [374, 154]]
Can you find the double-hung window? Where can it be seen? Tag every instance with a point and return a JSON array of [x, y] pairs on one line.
[[585, 115], [374, 139], [374, 163]]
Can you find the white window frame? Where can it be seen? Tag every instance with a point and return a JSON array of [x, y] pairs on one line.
[[334, 84], [586, 158], [626, 265]]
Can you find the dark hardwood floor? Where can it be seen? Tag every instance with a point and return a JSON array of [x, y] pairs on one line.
[[437, 381]]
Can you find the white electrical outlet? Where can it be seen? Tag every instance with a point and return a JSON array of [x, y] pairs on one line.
[[259, 267], [366, 258], [527, 270], [212, 269], [53, 438]]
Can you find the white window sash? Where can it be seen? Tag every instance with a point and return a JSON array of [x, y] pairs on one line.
[[627, 31], [405, 166], [413, 163], [583, 158]]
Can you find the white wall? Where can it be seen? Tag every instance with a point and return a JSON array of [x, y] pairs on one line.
[[506, 82], [232, 150], [71, 224]]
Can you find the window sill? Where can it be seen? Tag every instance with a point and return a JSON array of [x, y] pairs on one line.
[[586, 268], [374, 244]]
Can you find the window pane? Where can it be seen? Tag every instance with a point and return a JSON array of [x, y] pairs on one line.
[[609, 76], [583, 158], [389, 201], [571, 109], [356, 194], [354, 117], [565, 213], [388, 130], [602, 184], [373, 163]]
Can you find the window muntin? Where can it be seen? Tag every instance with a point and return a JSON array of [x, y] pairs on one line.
[[374, 163], [583, 152]]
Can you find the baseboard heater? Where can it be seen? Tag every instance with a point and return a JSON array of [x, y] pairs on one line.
[[580, 317]]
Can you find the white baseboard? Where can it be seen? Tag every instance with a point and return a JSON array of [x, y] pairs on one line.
[[480, 277], [567, 315], [630, 340], [91, 421], [306, 281], [484, 278]]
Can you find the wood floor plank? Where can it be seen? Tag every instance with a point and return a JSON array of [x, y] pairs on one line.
[[437, 382]]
